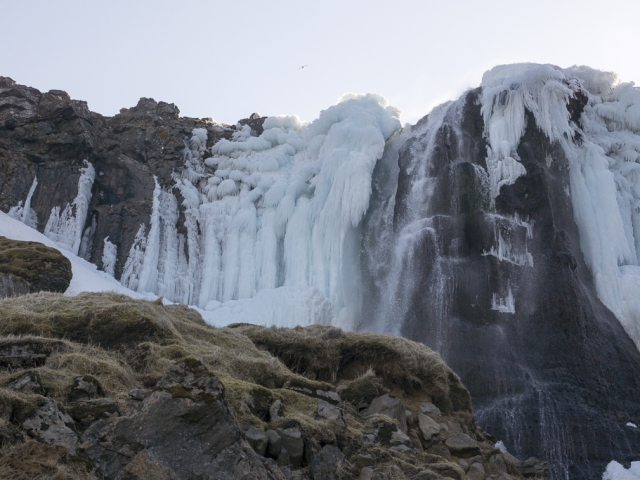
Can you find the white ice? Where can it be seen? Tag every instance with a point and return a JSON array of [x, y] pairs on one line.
[[109, 254], [25, 213], [275, 213], [504, 305], [66, 228], [604, 164], [615, 471]]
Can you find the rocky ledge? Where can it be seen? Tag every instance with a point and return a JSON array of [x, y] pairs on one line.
[[103, 386]]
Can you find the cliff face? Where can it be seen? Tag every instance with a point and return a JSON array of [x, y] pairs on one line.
[[47, 136], [501, 290]]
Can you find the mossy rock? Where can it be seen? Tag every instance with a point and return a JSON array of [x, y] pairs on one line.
[[362, 390], [109, 320], [42, 268]]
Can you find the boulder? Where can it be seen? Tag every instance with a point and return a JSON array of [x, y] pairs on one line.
[[330, 412], [476, 472], [185, 427], [28, 382], [85, 387], [400, 438], [292, 442], [51, 424], [257, 440], [391, 407], [85, 412], [428, 427], [325, 464], [274, 444], [462, 444], [497, 464], [533, 467], [430, 408], [16, 353], [34, 265], [366, 473]]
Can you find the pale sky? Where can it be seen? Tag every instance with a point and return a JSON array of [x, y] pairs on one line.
[[228, 59]]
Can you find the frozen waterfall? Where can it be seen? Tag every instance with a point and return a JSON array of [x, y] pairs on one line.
[[271, 221]]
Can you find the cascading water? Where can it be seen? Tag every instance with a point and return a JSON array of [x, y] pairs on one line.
[[477, 250]]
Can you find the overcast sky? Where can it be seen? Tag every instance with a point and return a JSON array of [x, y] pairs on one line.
[[227, 59]]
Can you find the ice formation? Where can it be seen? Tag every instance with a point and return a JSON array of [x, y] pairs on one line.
[[604, 164], [66, 228], [615, 471], [504, 305], [109, 254], [25, 213], [276, 213]]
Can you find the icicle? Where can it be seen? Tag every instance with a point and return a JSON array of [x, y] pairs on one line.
[[66, 228], [133, 266], [25, 213], [109, 256]]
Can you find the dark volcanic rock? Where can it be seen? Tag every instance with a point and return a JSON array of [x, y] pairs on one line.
[[185, 429], [48, 136], [558, 377]]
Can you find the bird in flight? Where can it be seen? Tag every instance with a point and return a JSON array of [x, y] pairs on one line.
[[303, 66]]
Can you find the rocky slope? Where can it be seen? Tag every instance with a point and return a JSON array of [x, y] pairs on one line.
[[103, 386]]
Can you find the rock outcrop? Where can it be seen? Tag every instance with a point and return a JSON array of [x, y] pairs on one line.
[[244, 402], [30, 267]]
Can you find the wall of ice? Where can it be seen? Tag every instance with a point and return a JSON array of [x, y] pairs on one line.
[[271, 221], [604, 160]]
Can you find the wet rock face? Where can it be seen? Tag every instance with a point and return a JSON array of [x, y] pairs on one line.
[[544, 375], [48, 135]]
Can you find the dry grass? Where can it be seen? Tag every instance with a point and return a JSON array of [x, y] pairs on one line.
[[328, 354], [37, 461], [128, 343]]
